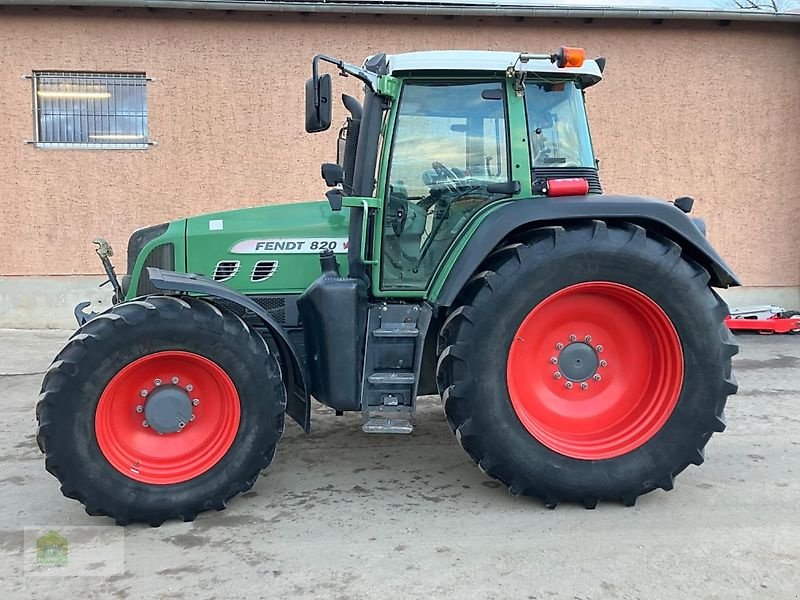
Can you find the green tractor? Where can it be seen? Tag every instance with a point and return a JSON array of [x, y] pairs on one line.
[[574, 336]]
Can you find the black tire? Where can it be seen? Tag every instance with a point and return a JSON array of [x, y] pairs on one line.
[[79, 374], [476, 337]]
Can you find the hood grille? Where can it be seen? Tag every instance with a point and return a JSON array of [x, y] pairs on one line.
[[226, 269], [263, 270]]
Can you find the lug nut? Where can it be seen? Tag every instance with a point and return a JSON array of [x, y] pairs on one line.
[[145, 423], [603, 363], [559, 346], [195, 402], [181, 425], [599, 348], [573, 337], [157, 382], [189, 387], [143, 393], [139, 408], [587, 339], [556, 375], [568, 385], [597, 377], [584, 386], [553, 360], [191, 418], [175, 381]]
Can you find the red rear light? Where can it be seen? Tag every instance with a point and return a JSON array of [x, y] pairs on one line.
[[576, 186]]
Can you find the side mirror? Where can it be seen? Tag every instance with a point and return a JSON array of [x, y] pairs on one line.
[[318, 104]]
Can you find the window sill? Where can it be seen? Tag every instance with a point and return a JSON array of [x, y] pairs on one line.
[[89, 146]]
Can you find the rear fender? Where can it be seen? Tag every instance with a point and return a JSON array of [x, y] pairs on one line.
[[298, 405], [512, 217]]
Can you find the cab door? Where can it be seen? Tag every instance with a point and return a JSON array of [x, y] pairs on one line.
[[448, 152]]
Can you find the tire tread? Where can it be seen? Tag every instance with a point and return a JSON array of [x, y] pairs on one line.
[[454, 383], [62, 373]]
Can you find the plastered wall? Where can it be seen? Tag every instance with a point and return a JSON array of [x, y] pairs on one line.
[[686, 108]]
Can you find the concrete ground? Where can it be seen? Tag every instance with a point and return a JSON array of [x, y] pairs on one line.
[[341, 514]]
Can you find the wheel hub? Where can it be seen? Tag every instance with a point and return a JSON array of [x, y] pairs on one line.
[[168, 409], [578, 361]]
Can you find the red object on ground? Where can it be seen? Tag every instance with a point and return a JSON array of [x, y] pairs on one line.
[[574, 186], [595, 370], [764, 326], [143, 454]]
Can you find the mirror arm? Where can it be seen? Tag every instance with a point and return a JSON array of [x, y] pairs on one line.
[[371, 79]]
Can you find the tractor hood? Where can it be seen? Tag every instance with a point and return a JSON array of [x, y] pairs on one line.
[[265, 249]]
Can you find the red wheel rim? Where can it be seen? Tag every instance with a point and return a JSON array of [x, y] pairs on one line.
[[142, 453], [595, 370]]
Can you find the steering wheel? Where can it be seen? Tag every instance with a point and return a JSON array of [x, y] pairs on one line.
[[446, 174]]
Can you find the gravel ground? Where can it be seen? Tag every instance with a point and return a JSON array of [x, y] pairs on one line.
[[342, 514]]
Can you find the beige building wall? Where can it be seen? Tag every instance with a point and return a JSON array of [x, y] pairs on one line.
[[688, 108]]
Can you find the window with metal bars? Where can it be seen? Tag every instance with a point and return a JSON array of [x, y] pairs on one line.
[[90, 110]]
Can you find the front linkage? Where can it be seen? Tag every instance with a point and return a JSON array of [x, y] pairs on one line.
[[105, 252]]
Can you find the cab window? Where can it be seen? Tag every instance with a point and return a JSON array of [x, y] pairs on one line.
[[557, 126], [449, 145]]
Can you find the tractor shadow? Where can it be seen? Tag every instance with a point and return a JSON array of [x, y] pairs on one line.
[[338, 465]]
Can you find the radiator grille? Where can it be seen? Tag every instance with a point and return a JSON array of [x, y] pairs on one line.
[[274, 305], [162, 257]]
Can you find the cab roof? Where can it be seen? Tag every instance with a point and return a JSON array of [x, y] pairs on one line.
[[481, 60]]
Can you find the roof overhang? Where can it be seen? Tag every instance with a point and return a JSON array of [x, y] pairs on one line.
[[476, 60], [497, 8]]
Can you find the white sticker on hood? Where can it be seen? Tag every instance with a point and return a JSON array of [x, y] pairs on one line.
[[216, 225], [291, 246]]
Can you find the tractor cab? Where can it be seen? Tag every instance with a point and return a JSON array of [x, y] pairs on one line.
[[442, 135], [440, 139]]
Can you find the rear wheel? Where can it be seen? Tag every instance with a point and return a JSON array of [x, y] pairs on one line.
[[160, 409], [586, 363]]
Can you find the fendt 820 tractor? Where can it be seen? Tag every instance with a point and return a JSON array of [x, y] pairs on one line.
[[574, 336]]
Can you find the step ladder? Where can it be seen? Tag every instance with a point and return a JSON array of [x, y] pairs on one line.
[[393, 356]]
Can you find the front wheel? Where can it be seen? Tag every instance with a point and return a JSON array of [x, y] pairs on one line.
[[161, 408], [587, 362]]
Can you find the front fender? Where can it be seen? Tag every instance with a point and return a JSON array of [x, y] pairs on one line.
[[654, 215], [298, 405]]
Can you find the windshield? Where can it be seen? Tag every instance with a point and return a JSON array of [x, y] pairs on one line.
[[557, 126]]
